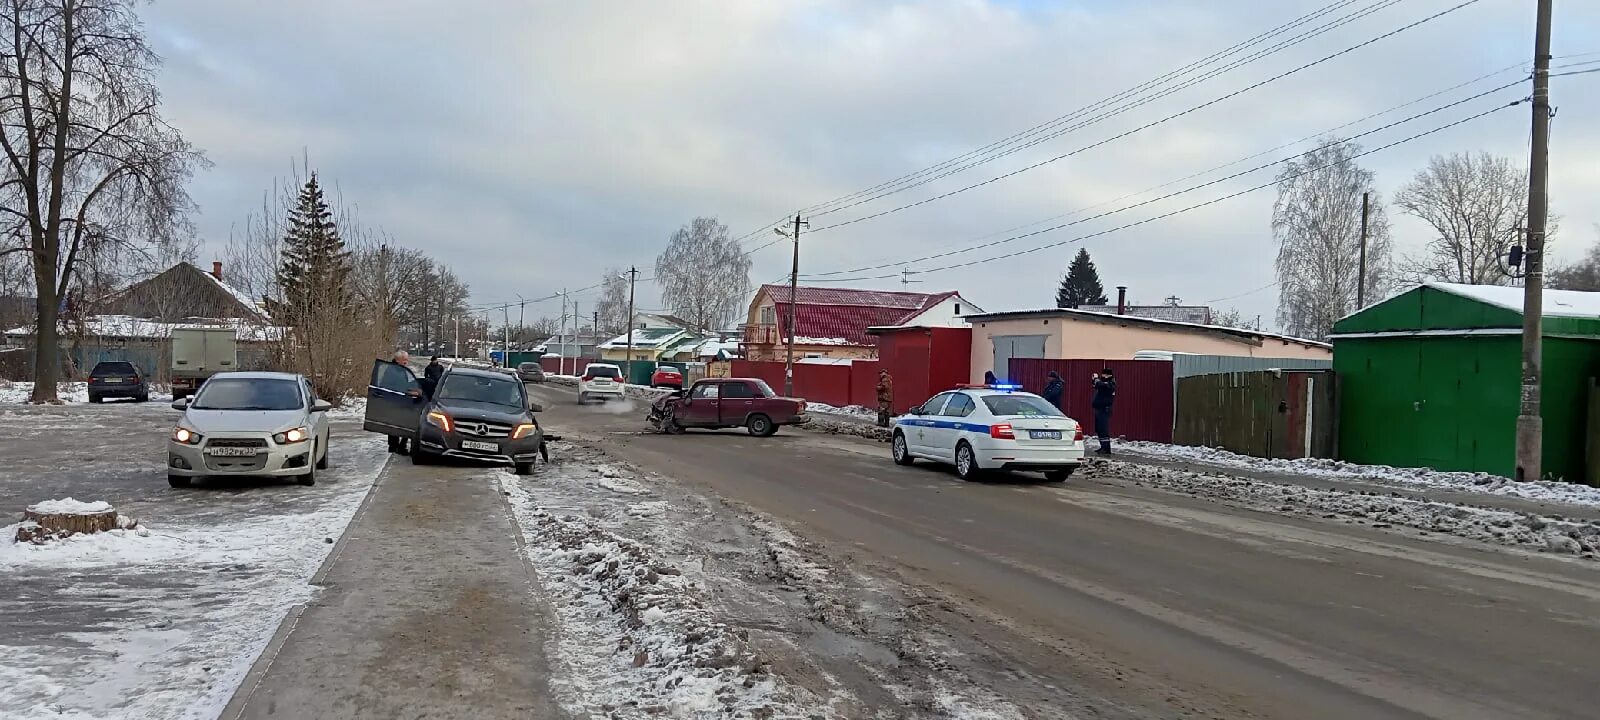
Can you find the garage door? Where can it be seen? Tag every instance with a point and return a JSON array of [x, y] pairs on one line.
[[1015, 346]]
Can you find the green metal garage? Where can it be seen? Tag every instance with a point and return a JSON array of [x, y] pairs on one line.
[[1430, 378]]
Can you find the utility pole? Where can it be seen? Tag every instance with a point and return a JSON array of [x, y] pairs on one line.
[[574, 336], [1361, 276], [458, 336], [905, 279], [1530, 425], [633, 275], [505, 332], [561, 333], [794, 292]]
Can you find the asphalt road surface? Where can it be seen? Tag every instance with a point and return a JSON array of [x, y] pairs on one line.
[[1154, 604]]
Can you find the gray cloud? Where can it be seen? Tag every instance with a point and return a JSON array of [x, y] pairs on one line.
[[534, 144]]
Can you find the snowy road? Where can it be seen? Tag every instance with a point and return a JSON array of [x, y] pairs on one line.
[[163, 625], [1136, 592]]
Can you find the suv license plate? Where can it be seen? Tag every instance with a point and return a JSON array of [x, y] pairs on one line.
[[231, 451], [1044, 434], [475, 445]]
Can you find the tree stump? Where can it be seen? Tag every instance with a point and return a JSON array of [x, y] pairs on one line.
[[45, 522]]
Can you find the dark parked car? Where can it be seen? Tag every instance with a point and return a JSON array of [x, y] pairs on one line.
[[476, 414], [118, 379], [728, 402], [530, 372]]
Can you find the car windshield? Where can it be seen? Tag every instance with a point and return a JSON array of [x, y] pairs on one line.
[[764, 388], [1021, 405], [477, 388], [113, 368], [249, 394]]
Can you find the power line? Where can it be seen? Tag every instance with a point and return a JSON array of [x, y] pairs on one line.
[[1272, 284], [1166, 119], [1195, 206], [1192, 188], [1163, 92], [1554, 75], [1080, 111]]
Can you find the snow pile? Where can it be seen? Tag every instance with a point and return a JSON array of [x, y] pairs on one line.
[[840, 426], [855, 411], [69, 506], [636, 632], [1538, 490], [69, 392], [1544, 533]]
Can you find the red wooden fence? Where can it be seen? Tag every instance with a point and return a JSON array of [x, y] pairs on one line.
[[574, 366], [1143, 409]]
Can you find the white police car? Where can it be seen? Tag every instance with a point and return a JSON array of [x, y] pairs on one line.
[[990, 427]]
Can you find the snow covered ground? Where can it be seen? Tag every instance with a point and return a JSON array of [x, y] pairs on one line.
[[1554, 534], [855, 411], [18, 392], [164, 622], [670, 604], [1413, 478]]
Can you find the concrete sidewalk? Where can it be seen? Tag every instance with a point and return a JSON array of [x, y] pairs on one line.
[[428, 612]]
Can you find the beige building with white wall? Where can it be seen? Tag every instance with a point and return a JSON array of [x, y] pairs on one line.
[[1068, 334]]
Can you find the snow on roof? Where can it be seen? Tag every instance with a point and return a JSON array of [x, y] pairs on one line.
[[1241, 332], [803, 340], [845, 313], [127, 326], [645, 338], [1557, 303], [240, 295]]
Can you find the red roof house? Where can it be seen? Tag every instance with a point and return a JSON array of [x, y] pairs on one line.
[[833, 322]]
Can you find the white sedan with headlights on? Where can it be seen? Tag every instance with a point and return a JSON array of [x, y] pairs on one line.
[[978, 428], [250, 424]]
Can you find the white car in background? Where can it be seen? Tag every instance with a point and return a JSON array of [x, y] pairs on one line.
[[996, 427], [253, 424], [602, 381]]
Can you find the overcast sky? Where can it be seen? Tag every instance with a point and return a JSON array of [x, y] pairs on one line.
[[531, 145]]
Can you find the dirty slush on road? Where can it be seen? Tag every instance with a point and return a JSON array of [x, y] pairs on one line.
[[670, 602]]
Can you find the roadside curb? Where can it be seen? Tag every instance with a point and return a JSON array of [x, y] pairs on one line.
[[242, 695]]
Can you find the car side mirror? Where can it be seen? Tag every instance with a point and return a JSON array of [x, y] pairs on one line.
[[321, 406], [180, 404], [916, 410], [535, 406]]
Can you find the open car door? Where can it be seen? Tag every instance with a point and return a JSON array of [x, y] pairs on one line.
[[394, 400]]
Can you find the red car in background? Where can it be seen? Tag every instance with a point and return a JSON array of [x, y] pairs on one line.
[[667, 376], [714, 403]]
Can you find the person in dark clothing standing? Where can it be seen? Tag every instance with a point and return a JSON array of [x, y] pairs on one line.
[[989, 378], [431, 375], [1105, 394], [1053, 389]]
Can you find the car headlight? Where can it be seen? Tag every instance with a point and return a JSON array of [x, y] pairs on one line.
[[439, 420], [291, 436], [185, 436], [523, 430]]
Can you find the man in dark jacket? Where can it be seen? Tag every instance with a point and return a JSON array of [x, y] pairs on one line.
[[1105, 394], [1053, 389]]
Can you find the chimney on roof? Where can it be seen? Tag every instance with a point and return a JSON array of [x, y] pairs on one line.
[[216, 269], [1122, 299]]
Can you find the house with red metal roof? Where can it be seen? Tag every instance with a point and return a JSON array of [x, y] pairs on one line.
[[833, 322]]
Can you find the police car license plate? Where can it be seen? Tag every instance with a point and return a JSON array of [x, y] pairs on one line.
[[1044, 434], [231, 451], [475, 445]]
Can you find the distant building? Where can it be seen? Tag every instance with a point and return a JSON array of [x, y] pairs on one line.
[[1196, 314], [833, 322]]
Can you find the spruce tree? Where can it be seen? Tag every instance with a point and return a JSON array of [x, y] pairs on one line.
[[1081, 285], [315, 266]]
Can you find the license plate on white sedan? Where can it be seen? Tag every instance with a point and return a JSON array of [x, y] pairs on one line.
[[475, 445], [1044, 434], [231, 451]]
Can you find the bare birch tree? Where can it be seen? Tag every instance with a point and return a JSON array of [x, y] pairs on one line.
[[90, 164], [1581, 275], [613, 303], [1317, 222], [1474, 204], [704, 275]]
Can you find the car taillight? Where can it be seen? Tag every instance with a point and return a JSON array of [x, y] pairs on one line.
[[1002, 432], [1077, 434]]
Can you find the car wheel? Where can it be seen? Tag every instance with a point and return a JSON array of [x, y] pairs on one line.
[[582, 398], [1056, 476], [901, 451], [96, 399], [760, 426], [144, 398], [523, 468], [967, 463], [420, 456], [178, 481], [322, 463]]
